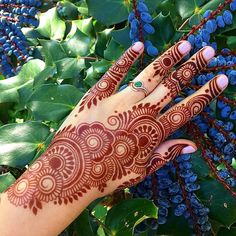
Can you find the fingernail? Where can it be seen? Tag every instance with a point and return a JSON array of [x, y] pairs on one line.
[[188, 149], [184, 47], [137, 46], [208, 53], [222, 81]]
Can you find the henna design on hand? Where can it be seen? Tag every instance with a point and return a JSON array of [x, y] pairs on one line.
[[176, 81], [109, 81], [90, 155], [165, 62]]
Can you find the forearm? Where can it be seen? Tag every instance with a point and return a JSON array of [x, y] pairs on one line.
[[49, 195], [50, 220]]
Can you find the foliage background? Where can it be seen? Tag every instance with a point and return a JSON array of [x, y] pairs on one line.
[[73, 48]]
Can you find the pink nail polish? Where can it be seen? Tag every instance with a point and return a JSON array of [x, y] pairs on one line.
[[188, 149], [208, 53], [184, 47], [222, 81], [137, 46]]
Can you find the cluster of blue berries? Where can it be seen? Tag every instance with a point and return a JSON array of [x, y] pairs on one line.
[[175, 188], [176, 182], [14, 48], [140, 27]]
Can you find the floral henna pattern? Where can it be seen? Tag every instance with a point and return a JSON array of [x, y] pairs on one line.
[[91, 155], [163, 64], [109, 82]]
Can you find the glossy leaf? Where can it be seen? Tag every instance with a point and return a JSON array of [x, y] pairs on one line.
[[51, 26], [9, 87], [221, 203], [165, 31], [5, 181], [109, 11], [123, 217], [122, 37], [58, 99], [20, 142], [82, 226], [186, 8]]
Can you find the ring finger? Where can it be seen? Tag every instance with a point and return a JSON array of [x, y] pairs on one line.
[[153, 74]]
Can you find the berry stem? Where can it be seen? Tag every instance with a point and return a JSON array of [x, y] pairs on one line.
[[194, 131], [186, 199], [141, 38], [217, 68], [203, 21]]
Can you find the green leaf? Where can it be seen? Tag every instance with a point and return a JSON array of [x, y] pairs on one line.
[[53, 51], [69, 67], [44, 76], [227, 232], [176, 226], [51, 26], [114, 51], [121, 36], [53, 102], [199, 165], [86, 26], [19, 142], [186, 8], [123, 217], [5, 181], [164, 31], [78, 45], [9, 87], [94, 73], [231, 41], [69, 10], [221, 203], [109, 11], [102, 38], [100, 212], [82, 226]]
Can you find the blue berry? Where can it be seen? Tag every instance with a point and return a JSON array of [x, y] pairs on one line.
[[225, 112], [228, 17], [232, 77], [233, 6], [220, 21], [152, 51]]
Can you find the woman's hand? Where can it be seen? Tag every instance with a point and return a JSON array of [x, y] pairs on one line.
[[114, 139]]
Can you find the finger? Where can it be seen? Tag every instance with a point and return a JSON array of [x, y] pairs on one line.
[[111, 80], [167, 151], [184, 111], [176, 81], [154, 73]]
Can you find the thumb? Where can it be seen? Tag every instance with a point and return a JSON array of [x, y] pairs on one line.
[[167, 151]]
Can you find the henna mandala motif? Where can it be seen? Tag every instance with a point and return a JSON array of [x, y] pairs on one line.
[[22, 190], [98, 139], [163, 64], [125, 148], [109, 81]]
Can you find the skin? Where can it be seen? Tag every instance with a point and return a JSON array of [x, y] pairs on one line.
[[109, 141]]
